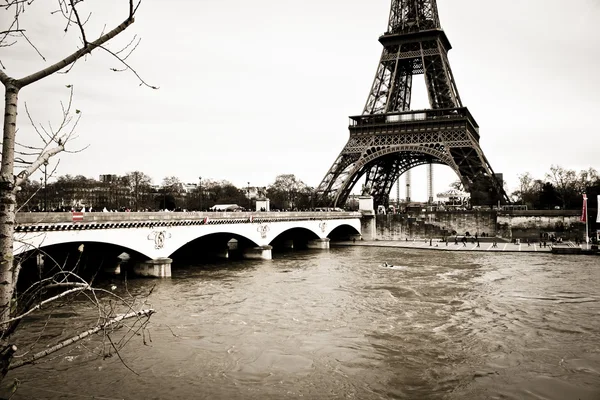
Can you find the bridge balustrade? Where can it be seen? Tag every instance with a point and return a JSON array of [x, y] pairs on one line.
[[117, 217]]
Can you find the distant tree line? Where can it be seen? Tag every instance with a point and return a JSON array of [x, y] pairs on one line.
[[560, 187], [134, 191]]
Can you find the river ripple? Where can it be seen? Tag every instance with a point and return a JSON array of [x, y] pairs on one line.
[[333, 324]]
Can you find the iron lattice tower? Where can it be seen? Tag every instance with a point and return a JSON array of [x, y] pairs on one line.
[[388, 139]]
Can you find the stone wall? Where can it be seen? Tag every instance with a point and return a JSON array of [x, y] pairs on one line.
[[533, 224], [435, 224], [541, 224]]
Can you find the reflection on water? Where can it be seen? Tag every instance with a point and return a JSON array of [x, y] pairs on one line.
[[335, 324]]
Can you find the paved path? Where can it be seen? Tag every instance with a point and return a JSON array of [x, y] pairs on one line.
[[424, 245]]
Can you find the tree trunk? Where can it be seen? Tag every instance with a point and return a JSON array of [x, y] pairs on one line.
[[8, 269]]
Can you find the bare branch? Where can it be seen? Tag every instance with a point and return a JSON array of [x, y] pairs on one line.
[[29, 199], [32, 359], [128, 67], [49, 138], [51, 299], [14, 27], [74, 56], [119, 355], [31, 346], [6, 33], [79, 23], [32, 45], [128, 45], [44, 157]]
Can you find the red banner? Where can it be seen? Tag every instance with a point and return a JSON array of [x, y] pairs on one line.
[[77, 216], [584, 210]]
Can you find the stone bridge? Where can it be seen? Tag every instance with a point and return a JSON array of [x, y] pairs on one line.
[[157, 235]]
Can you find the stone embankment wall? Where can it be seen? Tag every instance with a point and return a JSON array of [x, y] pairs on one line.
[[541, 224], [435, 224], [533, 224]]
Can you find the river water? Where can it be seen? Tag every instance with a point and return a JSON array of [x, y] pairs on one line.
[[336, 325]]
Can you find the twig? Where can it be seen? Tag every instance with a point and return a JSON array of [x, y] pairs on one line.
[[128, 67], [119, 355]]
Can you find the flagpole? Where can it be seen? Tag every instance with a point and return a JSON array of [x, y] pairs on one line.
[[587, 236]]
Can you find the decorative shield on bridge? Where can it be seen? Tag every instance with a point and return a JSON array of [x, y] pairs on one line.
[[263, 229], [159, 238], [323, 226]]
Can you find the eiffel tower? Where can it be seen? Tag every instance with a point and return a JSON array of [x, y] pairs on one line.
[[388, 139]]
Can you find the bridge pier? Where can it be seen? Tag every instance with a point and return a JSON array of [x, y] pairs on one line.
[[222, 253], [258, 253], [367, 221], [158, 268], [318, 244], [113, 269], [368, 225]]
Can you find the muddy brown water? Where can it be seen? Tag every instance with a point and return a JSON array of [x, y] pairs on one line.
[[335, 325]]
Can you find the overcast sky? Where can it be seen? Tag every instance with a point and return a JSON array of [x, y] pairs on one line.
[[253, 89]]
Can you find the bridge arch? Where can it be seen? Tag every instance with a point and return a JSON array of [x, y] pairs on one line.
[[26, 242], [212, 243], [294, 238], [343, 232]]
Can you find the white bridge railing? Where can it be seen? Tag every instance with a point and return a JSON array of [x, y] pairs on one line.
[[41, 218]]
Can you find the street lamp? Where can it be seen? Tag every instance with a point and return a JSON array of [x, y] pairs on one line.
[[200, 190], [249, 201], [45, 185]]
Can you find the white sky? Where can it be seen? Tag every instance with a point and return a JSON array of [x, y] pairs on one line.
[[253, 89]]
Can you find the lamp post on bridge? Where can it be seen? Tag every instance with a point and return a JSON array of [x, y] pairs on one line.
[[200, 190], [45, 186], [249, 201]]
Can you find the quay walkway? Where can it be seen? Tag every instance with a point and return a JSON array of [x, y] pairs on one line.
[[423, 244]]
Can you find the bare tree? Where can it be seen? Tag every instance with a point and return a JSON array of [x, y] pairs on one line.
[[139, 185], [587, 178], [19, 161], [526, 187], [564, 180], [286, 190]]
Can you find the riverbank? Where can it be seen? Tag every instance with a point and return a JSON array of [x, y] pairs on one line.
[[451, 246]]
